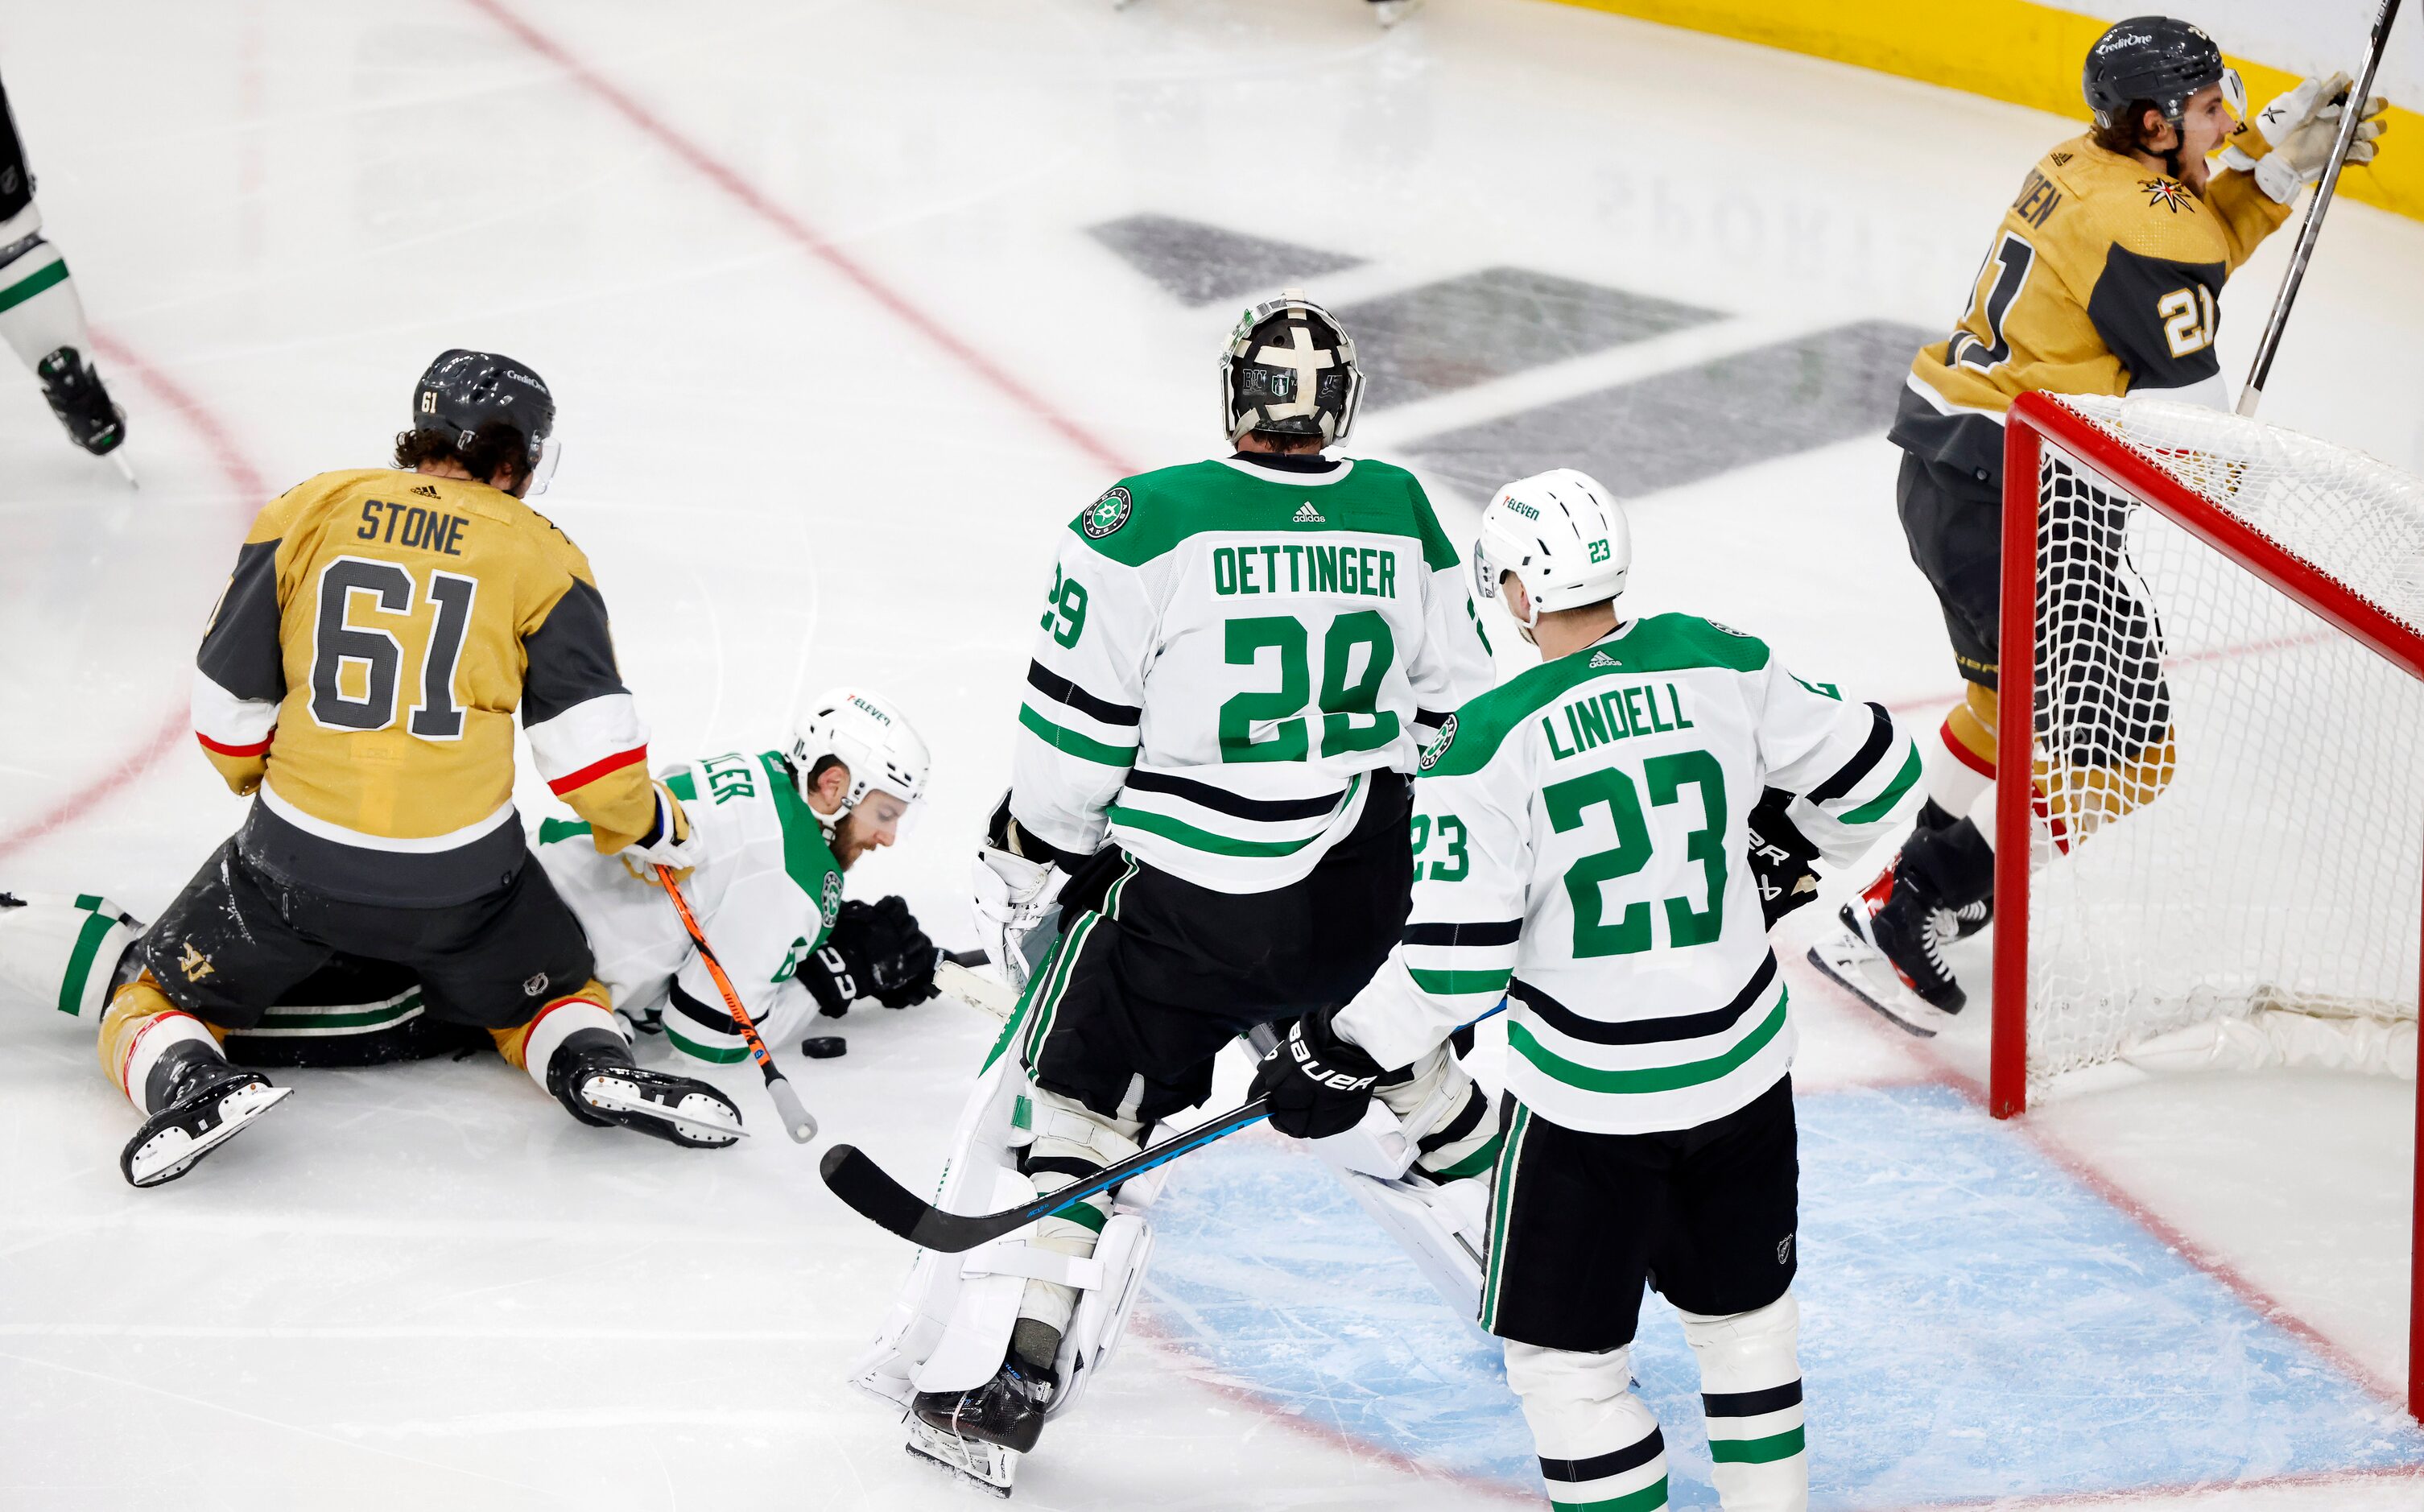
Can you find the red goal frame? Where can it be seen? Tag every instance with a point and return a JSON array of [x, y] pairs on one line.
[[2034, 420]]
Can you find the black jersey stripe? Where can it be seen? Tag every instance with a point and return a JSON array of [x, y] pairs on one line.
[[1221, 800], [1060, 690], [1573, 1026], [1751, 1404], [1430, 717], [1505, 932], [1599, 1467], [1864, 761]]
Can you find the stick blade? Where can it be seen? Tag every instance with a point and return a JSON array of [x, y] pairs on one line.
[[865, 1191]]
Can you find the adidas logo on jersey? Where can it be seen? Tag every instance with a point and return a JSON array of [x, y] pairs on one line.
[[1600, 659], [424, 490], [1309, 516]]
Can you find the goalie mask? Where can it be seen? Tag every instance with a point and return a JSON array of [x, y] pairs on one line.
[[870, 738], [1289, 370], [1561, 535]]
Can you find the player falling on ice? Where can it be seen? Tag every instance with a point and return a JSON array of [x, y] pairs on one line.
[[1234, 662], [1597, 801], [359, 679], [773, 833], [40, 313], [2105, 278]]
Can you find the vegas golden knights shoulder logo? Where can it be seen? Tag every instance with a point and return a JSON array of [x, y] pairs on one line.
[[195, 964]]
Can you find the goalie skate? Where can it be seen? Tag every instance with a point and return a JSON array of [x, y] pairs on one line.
[[173, 1139], [986, 1465], [1861, 969]]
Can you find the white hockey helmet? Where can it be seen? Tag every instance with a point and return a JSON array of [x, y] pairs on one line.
[[1561, 535], [869, 736], [1289, 369]]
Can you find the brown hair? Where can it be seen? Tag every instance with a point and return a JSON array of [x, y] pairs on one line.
[[2128, 134], [495, 444]]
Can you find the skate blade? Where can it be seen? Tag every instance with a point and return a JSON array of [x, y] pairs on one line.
[[125, 469], [1869, 977], [988, 1466], [171, 1153], [622, 1098]]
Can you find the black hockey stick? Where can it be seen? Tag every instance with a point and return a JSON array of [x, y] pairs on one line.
[[863, 1186], [2352, 116]]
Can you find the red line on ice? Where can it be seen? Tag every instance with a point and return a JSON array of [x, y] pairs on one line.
[[245, 480], [750, 197]]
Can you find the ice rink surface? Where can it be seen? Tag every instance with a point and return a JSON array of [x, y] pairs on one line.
[[848, 306]]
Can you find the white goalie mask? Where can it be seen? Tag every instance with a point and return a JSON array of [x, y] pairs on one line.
[[1289, 369], [866, 734], [1562, 536]]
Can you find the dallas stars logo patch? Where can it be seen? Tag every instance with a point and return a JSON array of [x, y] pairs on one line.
[[1438, 747], [2170, 194], [1109, 513], [831, 903]]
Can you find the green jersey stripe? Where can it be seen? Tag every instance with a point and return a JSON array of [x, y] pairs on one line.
[[1882, 804], [1502, 1205], [1648, 1499], [1649, 1078], [1069, 743], [1765, 1451], [1195, 839], [1456, 983], [552, 830]]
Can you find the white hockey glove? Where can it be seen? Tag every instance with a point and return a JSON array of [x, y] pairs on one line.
[[2299, 127], [668, 842], [1010, 896]]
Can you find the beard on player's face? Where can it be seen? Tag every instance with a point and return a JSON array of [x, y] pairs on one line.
[[870, 826]]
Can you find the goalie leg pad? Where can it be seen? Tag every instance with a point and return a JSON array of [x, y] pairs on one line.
[[1750, 1386], [1071, 1142], [1598, 1443]]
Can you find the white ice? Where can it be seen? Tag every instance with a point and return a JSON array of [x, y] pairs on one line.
[[768, 255]]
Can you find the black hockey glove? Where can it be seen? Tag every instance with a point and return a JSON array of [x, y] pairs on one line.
[[1781, 857], [1317, 1083], [875, 950]]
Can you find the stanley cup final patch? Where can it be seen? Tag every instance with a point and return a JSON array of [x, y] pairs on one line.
[[1108, 514]]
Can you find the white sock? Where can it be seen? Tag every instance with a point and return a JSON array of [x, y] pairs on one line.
[[1598, 1443], [39, 312], [1750, 1386]]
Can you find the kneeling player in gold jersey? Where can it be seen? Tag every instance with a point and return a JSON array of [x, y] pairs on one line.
[[359, 679], [2105, 278]]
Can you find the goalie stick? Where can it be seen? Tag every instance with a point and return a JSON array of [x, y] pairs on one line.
[[2352, 114], [796, 1121], [865, 1189]]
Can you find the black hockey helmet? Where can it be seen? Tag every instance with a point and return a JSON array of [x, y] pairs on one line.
[[2156, 58], [464, 390], [1289, 369]]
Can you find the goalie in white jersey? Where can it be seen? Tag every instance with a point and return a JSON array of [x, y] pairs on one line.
[[1579, 832], [1235, 666]]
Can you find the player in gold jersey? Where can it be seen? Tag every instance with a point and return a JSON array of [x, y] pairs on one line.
[[359, 680], [2105, 278]]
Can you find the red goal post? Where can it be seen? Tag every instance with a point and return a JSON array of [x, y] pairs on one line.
[[2091, 631]]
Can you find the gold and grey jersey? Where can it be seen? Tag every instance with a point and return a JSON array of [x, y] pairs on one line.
[[2105, 278], [363, 672]]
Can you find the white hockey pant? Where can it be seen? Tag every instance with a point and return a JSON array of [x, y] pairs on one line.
[[1071, 1142], [1600, 1445]]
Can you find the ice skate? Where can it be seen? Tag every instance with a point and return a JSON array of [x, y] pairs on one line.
[[601, 1088], [219, 1105], [80, 402], [980, 1433]]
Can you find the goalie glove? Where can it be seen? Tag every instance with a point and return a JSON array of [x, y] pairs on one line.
[[1016, 885], [2298, 129], [1781, 857], [1318, 1084]]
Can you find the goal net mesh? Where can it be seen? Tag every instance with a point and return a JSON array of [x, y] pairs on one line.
[[2228, 796]]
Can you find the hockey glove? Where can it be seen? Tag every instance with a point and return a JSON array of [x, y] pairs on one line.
[[1780, 858], [668, 841], [875, 950], [1318, 1084], [2299, 127], [1014, 888]]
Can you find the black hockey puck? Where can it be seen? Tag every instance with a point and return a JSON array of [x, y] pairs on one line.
[[824, 1046]]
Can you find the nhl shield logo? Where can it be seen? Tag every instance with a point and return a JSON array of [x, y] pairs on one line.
[[832, 900], [1438, 747], [1109, 513], [534, 986]]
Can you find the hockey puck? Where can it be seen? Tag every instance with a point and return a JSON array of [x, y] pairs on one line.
[[823, 1047]]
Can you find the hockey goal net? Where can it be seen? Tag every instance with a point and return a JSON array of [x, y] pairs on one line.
[[2213, 640]]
